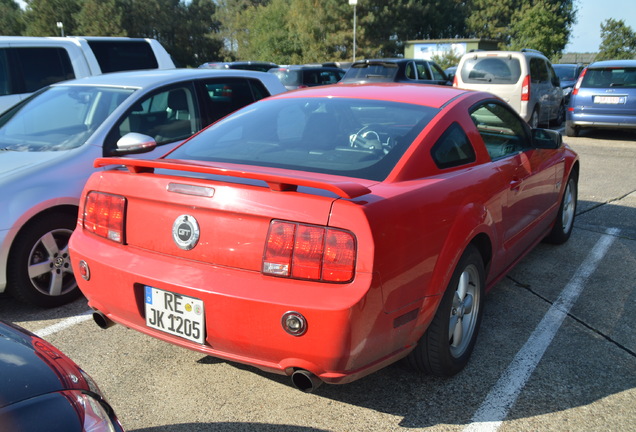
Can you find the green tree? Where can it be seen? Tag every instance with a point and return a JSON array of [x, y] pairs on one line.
[[42, 16], [197, 37], [100, 18], [544, 25], [618, 41], [11, 18]]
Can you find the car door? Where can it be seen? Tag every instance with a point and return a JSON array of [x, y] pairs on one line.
[[529, 177]]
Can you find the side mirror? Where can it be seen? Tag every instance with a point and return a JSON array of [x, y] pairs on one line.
[[135, 143], [546, 139]]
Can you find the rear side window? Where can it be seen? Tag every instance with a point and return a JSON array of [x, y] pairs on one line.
[[492, 70], [453, 148], [609, 77], [25, 70], [114, 56], [224, 96], [538, 70]]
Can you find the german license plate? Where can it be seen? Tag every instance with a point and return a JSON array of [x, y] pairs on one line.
[[176, 314], [610, 100]]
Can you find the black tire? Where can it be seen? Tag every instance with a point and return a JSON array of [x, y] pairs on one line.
[[560, 118], [534, 119], [39, 269], [570, 130], [564, 222], [447, 344]]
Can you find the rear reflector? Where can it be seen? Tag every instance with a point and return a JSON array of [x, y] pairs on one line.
[[311, 252], [104, 215]]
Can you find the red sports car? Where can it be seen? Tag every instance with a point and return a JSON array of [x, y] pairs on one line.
[[326, 233]]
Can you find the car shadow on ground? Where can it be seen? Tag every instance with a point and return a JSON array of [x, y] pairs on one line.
[[229, 426], [609, 134], [15, 311]]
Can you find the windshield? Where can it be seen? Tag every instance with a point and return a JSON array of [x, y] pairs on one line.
[[565, 73], [59, 118], [350, 137]]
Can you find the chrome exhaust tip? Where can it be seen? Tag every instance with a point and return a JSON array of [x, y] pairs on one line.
[[305, 381], [102, 320]]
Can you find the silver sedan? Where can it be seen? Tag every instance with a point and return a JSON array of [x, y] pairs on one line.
[[49, 141]]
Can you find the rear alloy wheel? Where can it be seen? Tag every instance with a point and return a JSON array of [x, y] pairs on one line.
[[446, 346], [564, 222], [40, 269]]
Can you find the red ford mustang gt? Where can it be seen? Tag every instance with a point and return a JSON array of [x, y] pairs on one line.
[[326, 233]]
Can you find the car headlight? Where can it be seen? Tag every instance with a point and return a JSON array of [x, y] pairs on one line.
[[96, 418]]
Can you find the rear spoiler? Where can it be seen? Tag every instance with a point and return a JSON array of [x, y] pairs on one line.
[[276, 182]]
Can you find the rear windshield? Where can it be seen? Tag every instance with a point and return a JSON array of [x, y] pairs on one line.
[[378, 71], [492, 70], [350, 137], [609, 77]]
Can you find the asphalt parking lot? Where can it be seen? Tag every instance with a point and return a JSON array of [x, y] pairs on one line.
[[556, 351]]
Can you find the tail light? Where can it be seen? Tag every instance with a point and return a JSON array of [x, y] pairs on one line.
[[525, 89], [575, 90], [311, 252], [455, 81], [104, 215]]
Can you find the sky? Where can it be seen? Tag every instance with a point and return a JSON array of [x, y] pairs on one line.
[[586, 33]]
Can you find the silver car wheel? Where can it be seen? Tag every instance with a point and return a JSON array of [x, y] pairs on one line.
[[464, 311], [49, 264], [569, 207]]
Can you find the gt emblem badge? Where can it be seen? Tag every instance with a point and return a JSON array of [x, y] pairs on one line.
[[185, 232]]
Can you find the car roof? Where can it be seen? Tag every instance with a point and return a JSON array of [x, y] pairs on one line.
[[613, 63], [146, 78], [420, 94]]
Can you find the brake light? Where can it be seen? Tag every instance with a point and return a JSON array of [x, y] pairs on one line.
[[311, 252], [455, 81], [575, 90], [525, 89], [104, 215]]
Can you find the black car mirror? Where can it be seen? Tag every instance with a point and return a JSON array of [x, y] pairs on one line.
[[546, 139]]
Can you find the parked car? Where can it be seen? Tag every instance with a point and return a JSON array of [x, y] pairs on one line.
[[49, 141], [450, 72], [525, 79], [243, 65], [328, 232], [43, 389], [29, 63], [604, 97], [568, 73], [396, 70], [295, 77]]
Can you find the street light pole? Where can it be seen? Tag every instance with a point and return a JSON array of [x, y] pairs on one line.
[[60, 25], [354, 3]]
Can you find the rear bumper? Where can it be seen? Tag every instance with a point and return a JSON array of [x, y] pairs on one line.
[[582, 119], [348, 336]]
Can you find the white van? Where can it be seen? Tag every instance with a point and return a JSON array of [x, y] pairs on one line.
[[30, 63], [525, 79]]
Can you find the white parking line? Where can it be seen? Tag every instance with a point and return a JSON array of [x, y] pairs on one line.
[[65, 323], [503, 395]]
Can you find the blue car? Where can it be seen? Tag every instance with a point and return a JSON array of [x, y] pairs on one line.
[[603, 97]]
